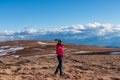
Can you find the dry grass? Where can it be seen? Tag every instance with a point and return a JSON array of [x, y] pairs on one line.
[[38, 62]]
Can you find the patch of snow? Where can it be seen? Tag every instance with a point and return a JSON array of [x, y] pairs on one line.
[[16, 48], [37, 49], [115, 52], [68, 50], [83, 52], [13, 49], [4, 47], [16, 56], [53, 51], [71, 50], [42, 43], [1, 50]]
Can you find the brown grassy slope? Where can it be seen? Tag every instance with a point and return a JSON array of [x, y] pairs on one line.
[[32, 47], [40, 65]]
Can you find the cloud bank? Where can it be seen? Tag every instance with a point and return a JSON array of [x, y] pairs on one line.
[[83, 34]]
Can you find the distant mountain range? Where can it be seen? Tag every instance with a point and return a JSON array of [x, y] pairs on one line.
[[91, 34]]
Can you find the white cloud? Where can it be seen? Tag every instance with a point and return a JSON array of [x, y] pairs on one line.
[[78, 27], [117, 28], [84, 31], [22, 36], [94, 25], [30, 30], [7, 32]]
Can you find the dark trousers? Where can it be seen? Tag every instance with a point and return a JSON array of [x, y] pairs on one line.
[[59, 67]]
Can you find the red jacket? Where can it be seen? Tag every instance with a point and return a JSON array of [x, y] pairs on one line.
[[60, 50]]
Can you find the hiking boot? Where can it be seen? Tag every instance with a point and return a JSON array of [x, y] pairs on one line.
[[61, 74], [55, 73]]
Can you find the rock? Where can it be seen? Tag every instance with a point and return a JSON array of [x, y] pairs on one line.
[[75, 61], [45, 67], [33, 68], [6, 71], [118, 69], [82, 67], [16, 70], [1, 63], [22, 62], [114, 78]]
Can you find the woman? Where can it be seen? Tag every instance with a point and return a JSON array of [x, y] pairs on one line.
[[60, 56]]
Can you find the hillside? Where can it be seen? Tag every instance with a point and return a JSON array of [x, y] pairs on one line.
[[36, 60]]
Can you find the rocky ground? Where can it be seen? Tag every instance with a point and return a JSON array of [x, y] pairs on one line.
[[37, 61]]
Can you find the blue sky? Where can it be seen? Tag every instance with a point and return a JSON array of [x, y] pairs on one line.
[[19, 14]]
